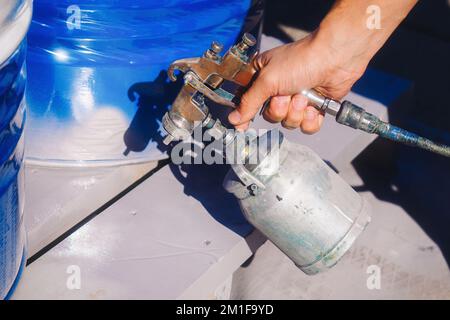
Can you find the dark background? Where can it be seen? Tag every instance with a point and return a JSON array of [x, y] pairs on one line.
[[419, 53]]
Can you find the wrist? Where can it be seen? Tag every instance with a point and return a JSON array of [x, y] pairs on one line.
[[350, 31], [347, 43]]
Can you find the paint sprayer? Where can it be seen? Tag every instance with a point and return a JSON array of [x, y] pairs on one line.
[[285, 190]]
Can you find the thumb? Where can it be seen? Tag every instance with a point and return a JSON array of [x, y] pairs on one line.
[[251, 102]]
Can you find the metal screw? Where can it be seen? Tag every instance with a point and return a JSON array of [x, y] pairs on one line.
[[249, 39], [254, 189], [216, 47]]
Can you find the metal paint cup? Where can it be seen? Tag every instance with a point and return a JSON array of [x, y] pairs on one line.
[[307, 210]]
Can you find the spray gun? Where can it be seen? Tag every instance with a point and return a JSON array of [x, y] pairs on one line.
[[285, 190], [204, 77]]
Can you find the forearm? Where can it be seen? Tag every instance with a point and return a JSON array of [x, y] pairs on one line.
[[352, 27]]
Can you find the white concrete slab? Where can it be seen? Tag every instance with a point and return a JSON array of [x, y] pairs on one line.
[[157, 242], [57, 198]]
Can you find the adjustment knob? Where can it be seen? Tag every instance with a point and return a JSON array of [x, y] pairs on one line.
[[216, 47], [249, 39], [214, 50]]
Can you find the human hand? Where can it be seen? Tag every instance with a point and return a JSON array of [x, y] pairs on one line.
[[285, 71]]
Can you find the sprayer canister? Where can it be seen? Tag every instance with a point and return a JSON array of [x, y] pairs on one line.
[[15, 18], [307, 210]]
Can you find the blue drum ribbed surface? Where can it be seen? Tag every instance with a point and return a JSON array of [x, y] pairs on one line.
[[97, 87], [12, 118]]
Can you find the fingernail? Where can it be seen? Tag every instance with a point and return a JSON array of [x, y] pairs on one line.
[[234, 117], [242, 127], [310, 114]]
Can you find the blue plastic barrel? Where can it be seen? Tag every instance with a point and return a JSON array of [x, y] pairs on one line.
[[14, 20], [97, 86]]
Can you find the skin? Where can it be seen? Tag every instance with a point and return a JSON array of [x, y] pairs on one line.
[[330, 60]]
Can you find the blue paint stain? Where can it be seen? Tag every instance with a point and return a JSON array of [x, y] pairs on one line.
[[12, 118], [13, 288], [401, 135]]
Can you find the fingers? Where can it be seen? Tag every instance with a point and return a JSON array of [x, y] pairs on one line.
[[293, 113], [294, 117], [251, 102], [312, 120], [278, 109]]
